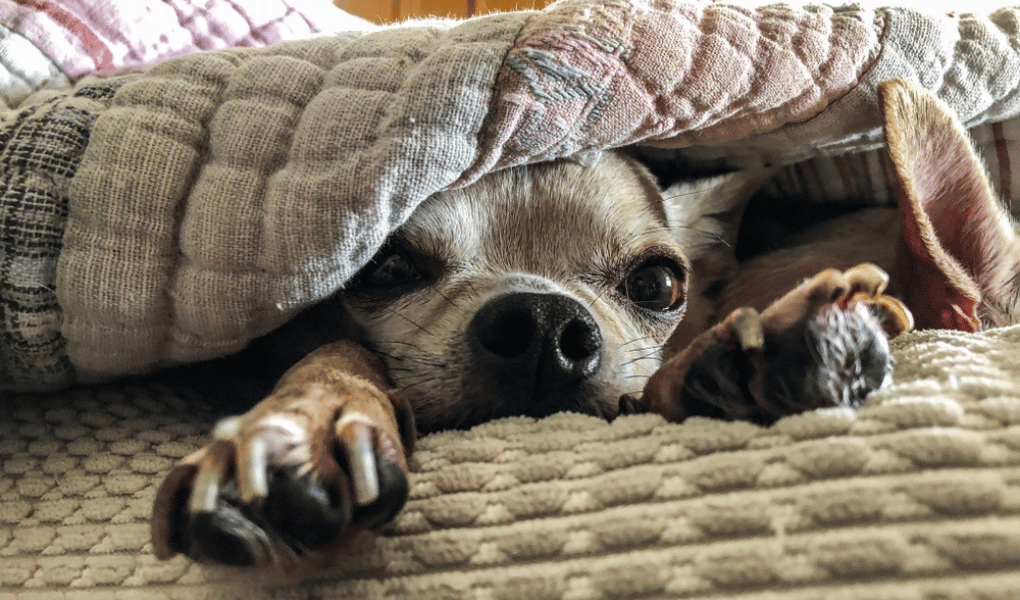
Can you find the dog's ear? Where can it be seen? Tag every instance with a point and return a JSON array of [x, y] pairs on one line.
[[708, 211], [704, 217], [958, 255]]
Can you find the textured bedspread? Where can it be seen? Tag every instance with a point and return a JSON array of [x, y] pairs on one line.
[[915, 496]]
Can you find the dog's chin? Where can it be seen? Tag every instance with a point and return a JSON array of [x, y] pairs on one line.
[[478, 405]]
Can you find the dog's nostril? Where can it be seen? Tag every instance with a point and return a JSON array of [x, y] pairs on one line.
[[535, 342], [509, 335], [579, 341]]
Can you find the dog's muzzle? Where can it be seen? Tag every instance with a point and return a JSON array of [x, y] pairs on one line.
[[532, 347]]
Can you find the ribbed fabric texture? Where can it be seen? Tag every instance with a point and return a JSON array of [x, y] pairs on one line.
[[916, 495]]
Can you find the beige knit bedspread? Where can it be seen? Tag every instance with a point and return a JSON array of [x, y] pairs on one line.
[[915, 496]]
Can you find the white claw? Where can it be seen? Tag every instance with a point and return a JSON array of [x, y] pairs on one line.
[[256, 468], [206, 488], [277, 440], [227, 429], [360, 457]]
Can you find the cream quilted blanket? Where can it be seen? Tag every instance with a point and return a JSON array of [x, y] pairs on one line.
[[175, 214]]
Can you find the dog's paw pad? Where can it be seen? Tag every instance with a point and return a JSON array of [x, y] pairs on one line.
[[305, 511], [225, 536]]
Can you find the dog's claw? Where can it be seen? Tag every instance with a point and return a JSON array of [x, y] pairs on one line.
[[868, 279], [206, 489], [746, 326], [356, 436], [867, 285], [631, 404], [896, 317]]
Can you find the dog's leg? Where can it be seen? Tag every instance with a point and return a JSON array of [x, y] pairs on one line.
[[282, 485], [823, 344]]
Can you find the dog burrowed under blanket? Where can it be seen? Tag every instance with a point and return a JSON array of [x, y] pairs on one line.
[[566, 287]]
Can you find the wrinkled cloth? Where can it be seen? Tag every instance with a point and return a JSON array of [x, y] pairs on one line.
[[44, 48], [47, 44]]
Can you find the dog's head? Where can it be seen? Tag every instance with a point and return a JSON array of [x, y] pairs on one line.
[[532, 291]]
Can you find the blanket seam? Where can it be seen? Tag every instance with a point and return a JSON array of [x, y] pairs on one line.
[[490, 113]]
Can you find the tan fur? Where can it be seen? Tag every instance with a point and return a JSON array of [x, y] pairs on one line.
[[559, 227]]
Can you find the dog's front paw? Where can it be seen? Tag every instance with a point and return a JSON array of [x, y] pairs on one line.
[[282, 485], [823, 344]]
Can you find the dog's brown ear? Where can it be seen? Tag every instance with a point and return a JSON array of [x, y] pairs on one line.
[[958, 253]]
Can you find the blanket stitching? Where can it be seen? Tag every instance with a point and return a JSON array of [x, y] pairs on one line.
[[40, 153]]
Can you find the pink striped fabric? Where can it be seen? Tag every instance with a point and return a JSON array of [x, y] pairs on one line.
[[82, 36], [867, 175]]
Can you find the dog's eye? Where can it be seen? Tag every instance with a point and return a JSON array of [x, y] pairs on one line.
[[391, 270], [655, 286]]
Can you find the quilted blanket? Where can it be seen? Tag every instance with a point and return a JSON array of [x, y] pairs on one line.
[[173, 214]]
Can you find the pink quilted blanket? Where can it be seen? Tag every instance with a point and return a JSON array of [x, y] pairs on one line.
[[47, 43]]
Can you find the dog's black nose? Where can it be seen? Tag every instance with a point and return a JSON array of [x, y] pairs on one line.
[[533, 344]]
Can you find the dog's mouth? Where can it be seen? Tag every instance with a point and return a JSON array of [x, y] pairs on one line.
[[481, 403], [533, 351]]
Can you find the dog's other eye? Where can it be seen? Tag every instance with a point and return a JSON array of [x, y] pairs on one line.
[[655, 286], [391, 270]]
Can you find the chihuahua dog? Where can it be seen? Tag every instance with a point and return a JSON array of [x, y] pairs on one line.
[[571, 287]]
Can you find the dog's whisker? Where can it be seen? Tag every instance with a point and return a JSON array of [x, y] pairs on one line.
[[643, 348], [444, 296], [403, 343], [699, 190], [705, 232], [427, 363], [666, 198], [650, 355], [415, 359], [635, 340], [408, 386], [387, 355], [645, 353], [423, 381], [596, 299], [396, 312]]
